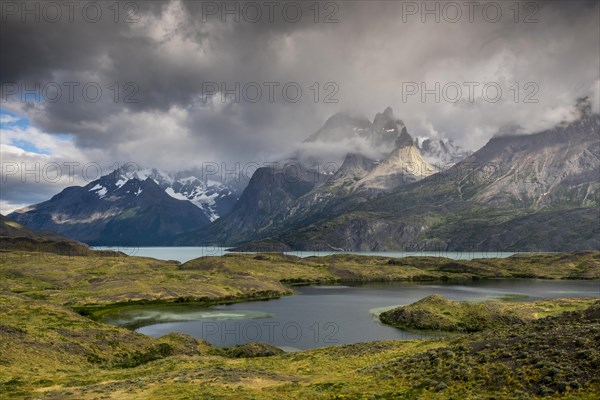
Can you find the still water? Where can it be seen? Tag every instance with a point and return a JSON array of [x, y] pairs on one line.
[[320, 316], [183, 254]]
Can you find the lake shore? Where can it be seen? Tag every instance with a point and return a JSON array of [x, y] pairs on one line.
[[50, 350], [90, 283]]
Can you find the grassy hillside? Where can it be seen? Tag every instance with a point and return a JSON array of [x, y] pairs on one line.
[[553, 357], [438, 313], [107, 280], [48, 351], [16, 237], [100, 279]]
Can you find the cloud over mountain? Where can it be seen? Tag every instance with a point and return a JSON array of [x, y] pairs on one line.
[[175, 51]]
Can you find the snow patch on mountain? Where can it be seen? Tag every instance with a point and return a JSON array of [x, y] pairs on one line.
[[100, 190], [212, 197], [174, 194]]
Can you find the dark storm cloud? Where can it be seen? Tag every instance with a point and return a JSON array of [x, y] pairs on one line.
[[138, 51], [175, 49], [169, 56]]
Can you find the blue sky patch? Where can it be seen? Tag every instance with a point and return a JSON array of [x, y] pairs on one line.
[[28, 146]]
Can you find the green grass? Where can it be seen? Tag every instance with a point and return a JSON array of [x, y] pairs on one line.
[[106, 281], [50, 351], [98, 283], [440, 314], [552, 357]]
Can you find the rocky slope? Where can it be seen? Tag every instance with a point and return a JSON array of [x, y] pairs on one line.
[[404, 165], [269, 200], [280, 198], [518, 193]]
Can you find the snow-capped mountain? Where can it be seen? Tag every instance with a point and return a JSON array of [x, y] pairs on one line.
[[214, 198], [116, 209], [272, 199]]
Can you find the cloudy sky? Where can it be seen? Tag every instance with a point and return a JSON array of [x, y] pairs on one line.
[[93, 85]]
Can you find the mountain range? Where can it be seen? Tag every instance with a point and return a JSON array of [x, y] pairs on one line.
[[144, 207], [529, 192], [517, 193]]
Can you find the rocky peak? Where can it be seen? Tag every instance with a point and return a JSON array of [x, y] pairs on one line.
[[404, 140], [387, 121]]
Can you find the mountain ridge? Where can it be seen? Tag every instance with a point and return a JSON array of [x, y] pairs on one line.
[[548, 180], [452, 209], [358, 179], [114, 211]]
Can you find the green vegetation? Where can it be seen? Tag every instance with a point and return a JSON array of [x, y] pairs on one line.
[[100, 280], [555, 356], [93, 281], [50, 351], [252, 350], [438, 313]]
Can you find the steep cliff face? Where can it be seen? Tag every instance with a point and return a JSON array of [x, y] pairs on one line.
[[278, 199], [404, 165], [267, 202], [530, 192], [559, 166], [381, 133]]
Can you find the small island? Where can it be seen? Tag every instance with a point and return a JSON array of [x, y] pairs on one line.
[[53, 345]]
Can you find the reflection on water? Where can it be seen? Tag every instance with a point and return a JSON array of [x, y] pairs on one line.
[[319, 316], [140, 315]]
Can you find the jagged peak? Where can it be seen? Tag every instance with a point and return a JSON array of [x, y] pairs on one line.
[[404, 140], [387, 120], [353, 160]]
